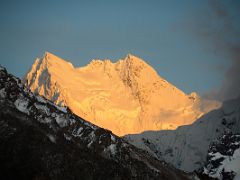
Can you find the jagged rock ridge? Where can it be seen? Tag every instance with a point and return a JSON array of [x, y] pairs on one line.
[[223, 159]]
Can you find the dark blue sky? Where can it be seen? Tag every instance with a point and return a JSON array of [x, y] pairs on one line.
[[178, 38]]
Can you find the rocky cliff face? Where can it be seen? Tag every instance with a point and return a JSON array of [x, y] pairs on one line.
[[223, 159], [39, 140], [125, 97]]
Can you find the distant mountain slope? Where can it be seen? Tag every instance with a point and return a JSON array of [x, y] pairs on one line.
[[187, 146], [39, 140], [125, 97]]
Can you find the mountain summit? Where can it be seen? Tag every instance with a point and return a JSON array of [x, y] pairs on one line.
[[126, 97]]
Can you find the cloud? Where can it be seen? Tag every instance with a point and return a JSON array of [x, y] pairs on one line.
[[231, 85], [217, 28], [218, 8]]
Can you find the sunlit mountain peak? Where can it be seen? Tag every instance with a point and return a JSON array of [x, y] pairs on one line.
[[126, 96]]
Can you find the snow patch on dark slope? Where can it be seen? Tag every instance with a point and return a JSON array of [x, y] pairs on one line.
[[187, 147], [39, 140], [223, 159]]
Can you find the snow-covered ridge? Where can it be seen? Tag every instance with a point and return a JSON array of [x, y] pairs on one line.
[[187, 146], [127, 96]]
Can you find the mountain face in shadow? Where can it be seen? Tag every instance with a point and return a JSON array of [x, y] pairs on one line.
[[126, 97], [39, 140], [187, 147]]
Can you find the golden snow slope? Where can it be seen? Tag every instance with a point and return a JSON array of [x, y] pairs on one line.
[[125, 97]]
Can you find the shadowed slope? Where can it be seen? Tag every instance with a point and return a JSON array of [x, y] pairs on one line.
[[187, 146], [39, 140]]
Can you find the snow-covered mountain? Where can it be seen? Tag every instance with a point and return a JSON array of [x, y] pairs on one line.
[[127, 96], [39, 140], [187, 146]]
